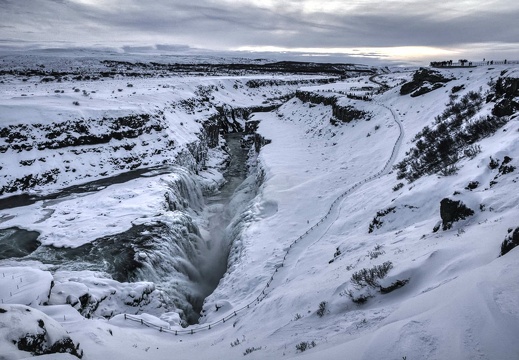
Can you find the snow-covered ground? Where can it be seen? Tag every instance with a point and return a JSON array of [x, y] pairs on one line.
[[290, 288]]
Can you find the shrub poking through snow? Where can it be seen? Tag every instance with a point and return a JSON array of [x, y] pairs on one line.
[[472, 185], [235, 343], [304, 345], [366, 282], [452, 137], [377, 222], [394, 286], [250, 350], [472, 151], [322, 309], [493, 164], [503, 169], [398, 186], [370, 277], [511, 241], [376, 252]]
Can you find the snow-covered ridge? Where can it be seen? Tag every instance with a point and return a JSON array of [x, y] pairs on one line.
[[54, 135]]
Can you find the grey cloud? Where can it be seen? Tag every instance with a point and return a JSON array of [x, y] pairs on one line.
[[208, 23]]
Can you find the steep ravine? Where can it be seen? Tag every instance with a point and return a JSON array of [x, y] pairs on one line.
[[184, 252]]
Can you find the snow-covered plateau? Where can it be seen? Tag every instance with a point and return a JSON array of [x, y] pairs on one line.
[[172, 208]]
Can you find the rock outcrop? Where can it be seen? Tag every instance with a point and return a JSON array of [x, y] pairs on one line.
[[27, 330], [424, 81], [511, 241], [452, 211], [344, 113]]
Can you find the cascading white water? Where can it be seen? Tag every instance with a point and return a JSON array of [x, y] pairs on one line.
[[169, 249]]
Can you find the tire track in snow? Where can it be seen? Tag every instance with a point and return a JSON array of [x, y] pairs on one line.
[[294, 248]]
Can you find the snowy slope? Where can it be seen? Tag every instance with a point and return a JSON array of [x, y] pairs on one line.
[[308, 164], [447, 294]]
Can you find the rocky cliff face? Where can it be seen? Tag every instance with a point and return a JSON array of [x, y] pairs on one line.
[[424, 81], [55, 137], [344, 113], [106, 144]]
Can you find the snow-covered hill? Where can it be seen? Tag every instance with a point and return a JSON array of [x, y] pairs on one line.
[[334, 253]]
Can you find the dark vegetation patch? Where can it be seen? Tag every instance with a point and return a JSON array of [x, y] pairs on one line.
[[398, 186], [472, 185], [457, 88], [505, 93], [369, 278], [452, 137], [511, 241], [393, 286], [377, 221], [504, 168]]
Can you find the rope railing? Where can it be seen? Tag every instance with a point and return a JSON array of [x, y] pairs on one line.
[[264, 291]]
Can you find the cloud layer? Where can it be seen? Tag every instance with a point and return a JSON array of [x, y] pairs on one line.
[[280, 24]]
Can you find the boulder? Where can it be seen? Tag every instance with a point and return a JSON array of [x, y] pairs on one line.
[[452, 211]]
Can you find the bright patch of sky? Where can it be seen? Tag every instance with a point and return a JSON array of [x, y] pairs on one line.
[[402, 30]]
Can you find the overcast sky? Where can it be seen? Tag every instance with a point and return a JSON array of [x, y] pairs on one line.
[[396, 30]]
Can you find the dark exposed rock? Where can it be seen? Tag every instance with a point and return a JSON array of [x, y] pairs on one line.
[[340, 112], [229, 120], [37, 344], [504, 168], [421, 78], [455, 89], [394, 286], [511, 241], [452, 211], [347, 113], [34, 332], [425, 89], [29, 181], [472, 185]]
